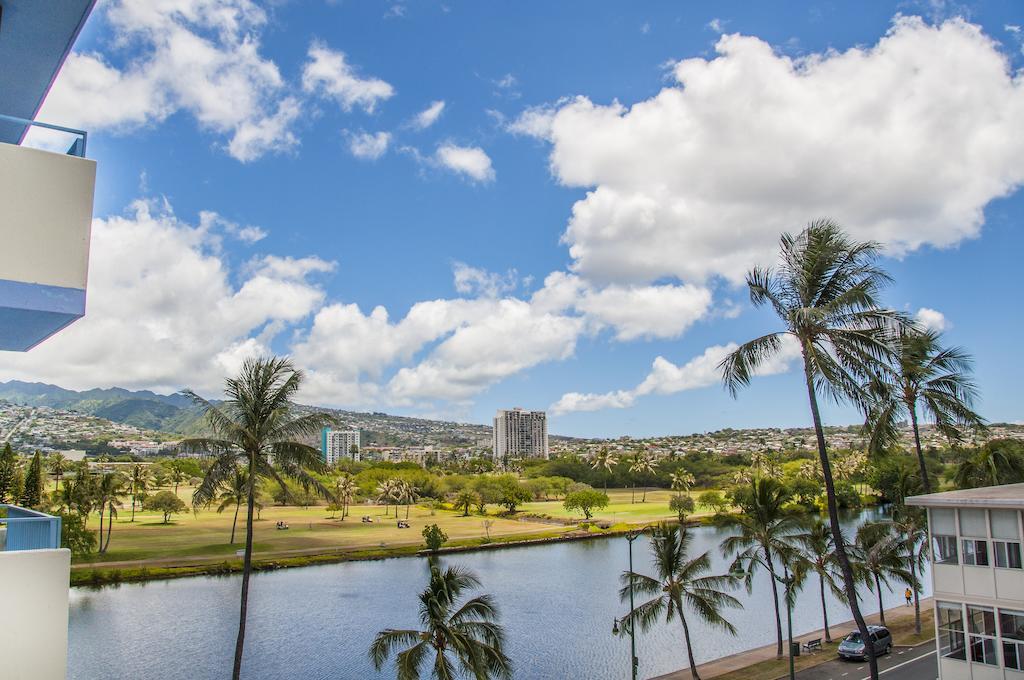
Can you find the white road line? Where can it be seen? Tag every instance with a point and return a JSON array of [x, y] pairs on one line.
[[899, 665]]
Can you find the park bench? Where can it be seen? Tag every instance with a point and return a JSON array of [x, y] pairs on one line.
[[811, 645]]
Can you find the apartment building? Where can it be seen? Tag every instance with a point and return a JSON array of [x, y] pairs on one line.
[[336, 445], [978, 581], [520, 434]]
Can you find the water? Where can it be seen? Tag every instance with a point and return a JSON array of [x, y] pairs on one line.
[[557, 602]]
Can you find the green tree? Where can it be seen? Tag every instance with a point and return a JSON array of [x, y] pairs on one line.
[[344, 492], [818, 549], [926, 376], [258, 428], [75, 536], [998, 461], [825, 291], [605, 460], [640, 464], [434, 537], [586, 501], [57, 465], [138, 482], [713, 500], [178, 474], [466, 500], [108, 494], [680, 586], [32, 492], [166, 502], [8, 467], [458, 639], [233, 491], [911, 525], [878, 552], [682, 506], [512, 493]]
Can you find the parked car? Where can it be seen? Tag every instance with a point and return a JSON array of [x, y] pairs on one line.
[[852, 647]]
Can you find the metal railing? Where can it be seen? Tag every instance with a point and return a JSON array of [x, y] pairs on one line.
[[24, 529], [76, 149]]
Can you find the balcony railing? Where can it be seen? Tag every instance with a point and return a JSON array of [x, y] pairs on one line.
[[24, 529], [77, 148]]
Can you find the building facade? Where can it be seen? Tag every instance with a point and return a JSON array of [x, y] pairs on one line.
[[978, 581], [337, 445], [520, 434]]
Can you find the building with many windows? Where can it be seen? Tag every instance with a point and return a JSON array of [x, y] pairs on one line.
[[978, 582], [520, 434], [336, 445]]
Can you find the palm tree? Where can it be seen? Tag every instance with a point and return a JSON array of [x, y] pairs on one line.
[[681, 481], [681, 584], [233, 491], [109, 493], [607, 460], [408, 494], [57, 466], [344, 492], [765, 529], [879, 553], [465, 500], [457, 639], [640, 463], [386, 492], [911, 526], [997, 462], [923, 374], [818, 549], [257, 428], [138, 480], [825, 290]]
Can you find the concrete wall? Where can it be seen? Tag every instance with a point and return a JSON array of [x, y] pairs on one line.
[[34, 601]]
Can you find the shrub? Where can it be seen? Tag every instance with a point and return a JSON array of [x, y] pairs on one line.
[[434, 537]]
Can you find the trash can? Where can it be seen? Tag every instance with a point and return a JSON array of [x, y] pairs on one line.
[[796, 648]]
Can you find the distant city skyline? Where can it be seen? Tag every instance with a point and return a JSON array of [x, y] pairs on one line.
[[553, 207]]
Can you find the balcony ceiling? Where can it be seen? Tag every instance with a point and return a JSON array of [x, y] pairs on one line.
[[35, 38]]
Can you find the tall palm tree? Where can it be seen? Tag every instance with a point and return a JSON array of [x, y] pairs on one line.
[[818, 549], [233, 491], [681, 481], [681, 584], [911, 526], [640, 463], [994, 463], [177, 476], [344, 492], [138, 481], [387, 491], [764, 533], [879, 553], [457, 640], [607, 460], [926, 376], [57, 466], [109, 492], [825, 290], [257, 428]]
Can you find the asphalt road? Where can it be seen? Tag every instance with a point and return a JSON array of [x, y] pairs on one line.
[[904, 663]]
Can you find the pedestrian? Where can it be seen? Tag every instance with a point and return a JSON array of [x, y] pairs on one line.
[[909, 594]]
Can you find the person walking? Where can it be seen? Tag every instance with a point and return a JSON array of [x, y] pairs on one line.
[[909, 594]]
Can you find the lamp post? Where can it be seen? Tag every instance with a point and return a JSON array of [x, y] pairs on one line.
[[627, 625]]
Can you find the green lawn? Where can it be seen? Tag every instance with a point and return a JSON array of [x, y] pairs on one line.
[[621, 508]]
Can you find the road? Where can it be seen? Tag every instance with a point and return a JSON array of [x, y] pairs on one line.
[[904, 663]]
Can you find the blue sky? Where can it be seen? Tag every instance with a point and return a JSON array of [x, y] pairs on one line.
[[263, 169]]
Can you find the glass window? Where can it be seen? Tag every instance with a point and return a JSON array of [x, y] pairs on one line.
[[1007, 554], [951, 631], [1011, 627], [1004, 524], [981, 623], [975, 552], [945, 549], [972, 523], [943, 521]]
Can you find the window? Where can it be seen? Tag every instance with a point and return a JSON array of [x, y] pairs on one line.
[[943, 521], [981, 623], [951, 631], [975, 552], [945, 549], [1007, 554], [1011, 627], [972, 523], [1004, 524]]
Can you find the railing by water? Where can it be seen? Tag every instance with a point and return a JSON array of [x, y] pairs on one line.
[[81, 136], [24, 529]]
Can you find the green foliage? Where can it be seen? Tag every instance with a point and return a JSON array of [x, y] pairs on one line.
[[682, 505], [998, 461], [586, 500], [714, 500], [74, 536], [8, 468], [166, 502], [805, 491], [847, 497], [434, 537], [32, 493]]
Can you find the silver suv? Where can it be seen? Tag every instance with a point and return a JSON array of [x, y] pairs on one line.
[[852, 647]]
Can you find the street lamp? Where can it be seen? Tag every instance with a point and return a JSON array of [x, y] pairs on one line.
[[627, 625]]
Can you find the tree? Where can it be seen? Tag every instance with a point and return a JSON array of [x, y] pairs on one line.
[[8, 468], [911, 526], [32, 493], [434, 537], [75, 536], [764, 530], [713, 500], [826, 293], [466, 500], [998, 461], [586, 501], [344, 492], [606, 460], [458, 638], [57, 465], [682, 506], [257, 427], [877, 550], [138, 482], [512, 493], [926, 376], [640, 463], [386, 492], [681, 584], [166, 502], [817, 548], [407, 494], [233, 491], [177, 474]]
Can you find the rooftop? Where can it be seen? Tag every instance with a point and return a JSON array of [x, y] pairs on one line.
[[1005, 496]]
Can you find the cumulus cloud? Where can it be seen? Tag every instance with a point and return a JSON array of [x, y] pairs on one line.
[[904, 141], [474, 281], [329, 74], [932, 319], [646, 311], [469, 161], [369, 146], [429, 115]]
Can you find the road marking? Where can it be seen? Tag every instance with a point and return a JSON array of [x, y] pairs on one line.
[[899, 665]]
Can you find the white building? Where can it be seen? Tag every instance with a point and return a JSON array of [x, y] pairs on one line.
[[336, 445], [978, 581], [520, 434]]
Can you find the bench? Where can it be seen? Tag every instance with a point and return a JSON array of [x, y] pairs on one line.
[[812, 644]]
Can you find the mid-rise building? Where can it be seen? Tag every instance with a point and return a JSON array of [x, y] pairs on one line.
[[520, 434], [978, 581], [337, 445]]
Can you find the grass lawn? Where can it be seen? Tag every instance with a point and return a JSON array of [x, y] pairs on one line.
[[621, 508]]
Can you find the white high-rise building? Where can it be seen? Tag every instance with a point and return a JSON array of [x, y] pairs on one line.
[[340, 445], [520, 434]]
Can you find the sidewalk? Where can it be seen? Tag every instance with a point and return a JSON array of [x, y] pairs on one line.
[[740, 660]]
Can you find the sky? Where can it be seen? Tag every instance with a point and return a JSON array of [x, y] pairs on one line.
[[445, 208]]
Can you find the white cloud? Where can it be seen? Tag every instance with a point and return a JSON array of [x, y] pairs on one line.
[[717, 25], [369, 146], [210, 221], [932, 319], [199, 56], [647, 311], [328, 73], [429, 115], [668, 378], [470, 161], [905, 141], [479, 282]]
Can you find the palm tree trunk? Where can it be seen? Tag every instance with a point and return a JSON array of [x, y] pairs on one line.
[[689, 646], [133, 507], [632, 497], [789, 630], [246, 570], [881, 609], [100, 544], [824, 609], [644, 499], [234, 523], [110, 526], [917, 601], [925, 482], [775, 601], [849, 584]]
